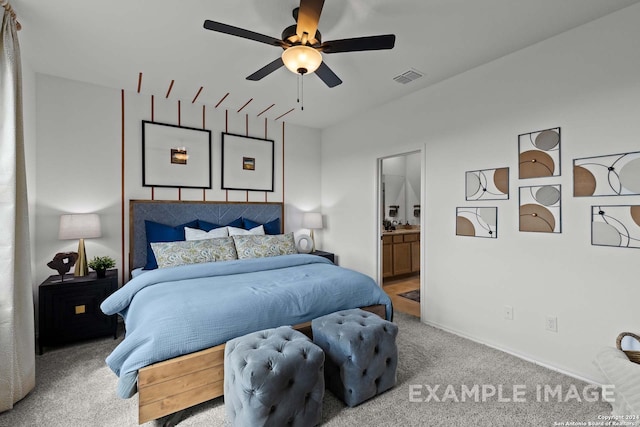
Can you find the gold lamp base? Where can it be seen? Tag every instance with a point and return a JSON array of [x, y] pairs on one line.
[[81, 269]]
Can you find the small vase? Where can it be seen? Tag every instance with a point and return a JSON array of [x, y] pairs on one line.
[[101, 273]]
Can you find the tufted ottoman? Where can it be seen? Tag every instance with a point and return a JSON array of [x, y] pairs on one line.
[[361, 353], [273, 378]]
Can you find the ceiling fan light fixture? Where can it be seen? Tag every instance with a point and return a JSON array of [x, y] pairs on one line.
[[301, 59]]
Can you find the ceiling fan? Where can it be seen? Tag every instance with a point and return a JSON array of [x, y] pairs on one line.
[[302, 44]]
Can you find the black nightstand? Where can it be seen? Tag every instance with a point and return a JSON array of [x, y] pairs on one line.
[[327, 255], [69, 311]]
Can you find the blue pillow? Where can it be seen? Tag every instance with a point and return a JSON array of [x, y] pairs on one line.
[[157, 232], [207, 226], [236, 223], [271, 227]]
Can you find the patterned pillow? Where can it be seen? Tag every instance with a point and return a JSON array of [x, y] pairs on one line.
[[259, 246], [173, 254]]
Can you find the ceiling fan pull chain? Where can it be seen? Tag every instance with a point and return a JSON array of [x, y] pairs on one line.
[[302, 91]]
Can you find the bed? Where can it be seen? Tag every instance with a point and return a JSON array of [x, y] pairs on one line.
[[178, 318]]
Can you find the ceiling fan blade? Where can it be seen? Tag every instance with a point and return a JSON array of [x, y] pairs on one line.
[[357, 44], [241, 32], [327, 75], [308, 17], [266, 70]]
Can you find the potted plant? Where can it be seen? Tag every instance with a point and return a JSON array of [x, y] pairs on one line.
[[101, 263]]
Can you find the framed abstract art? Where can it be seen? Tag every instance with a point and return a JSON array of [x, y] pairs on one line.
[[540, 209], [539, 153]]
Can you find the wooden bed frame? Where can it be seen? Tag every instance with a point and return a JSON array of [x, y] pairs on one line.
[[179, 383]]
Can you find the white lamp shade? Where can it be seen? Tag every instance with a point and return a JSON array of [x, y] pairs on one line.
[[312, 220], [79, 226], [301, 57]]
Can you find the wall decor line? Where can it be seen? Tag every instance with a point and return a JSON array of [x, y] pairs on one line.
[[265, 110], [477, 222], [615, 225], [221, 99], [226, 129], [610, 175], [122, 186], [179, 113], [282, 115], [170, 87], [540, 209], [193, 101], [539, 153], [487, 184], [283, 165], [139, 82], [245, 104]]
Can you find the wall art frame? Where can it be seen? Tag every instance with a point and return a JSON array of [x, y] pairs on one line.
[[539, 153], [487, 184], [608, 175], [477, 221], [247, 163], [540, 208], [175, 156], [616, 226]]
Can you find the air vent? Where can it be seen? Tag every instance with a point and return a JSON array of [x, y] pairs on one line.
[[408, 76]]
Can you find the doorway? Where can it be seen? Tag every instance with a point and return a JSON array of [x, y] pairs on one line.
[[400, 218]]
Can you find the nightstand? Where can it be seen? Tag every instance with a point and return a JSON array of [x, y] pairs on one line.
[[69, 311], [327, 255]]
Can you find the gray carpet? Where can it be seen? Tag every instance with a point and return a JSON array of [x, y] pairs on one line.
[[75, 388]]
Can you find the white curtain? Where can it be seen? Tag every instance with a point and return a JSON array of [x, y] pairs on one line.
[[17, 346]]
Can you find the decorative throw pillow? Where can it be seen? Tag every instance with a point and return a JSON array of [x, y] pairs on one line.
[[236, 223], [208, 226], [234, 231], [196, 234], [157, 232], [271, 227], [173, 254], [260, 246]]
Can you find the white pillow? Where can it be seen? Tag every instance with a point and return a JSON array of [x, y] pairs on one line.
[[196, 234], [257, 231]]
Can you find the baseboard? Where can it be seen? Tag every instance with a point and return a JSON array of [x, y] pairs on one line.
[[514, 353]]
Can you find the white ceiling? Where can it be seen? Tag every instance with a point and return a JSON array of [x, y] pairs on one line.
[[110, 43]]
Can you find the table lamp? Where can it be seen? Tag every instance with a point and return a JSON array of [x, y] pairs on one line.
[[80, 226], [312, 221]]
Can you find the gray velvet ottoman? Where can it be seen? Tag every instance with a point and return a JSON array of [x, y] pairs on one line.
[[361, 356], [273, 378]]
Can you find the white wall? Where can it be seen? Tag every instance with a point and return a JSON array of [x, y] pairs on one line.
[[586, 81], [78, 166], [78, 161]]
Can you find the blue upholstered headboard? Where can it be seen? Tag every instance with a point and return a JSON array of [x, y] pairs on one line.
[[172, 212]]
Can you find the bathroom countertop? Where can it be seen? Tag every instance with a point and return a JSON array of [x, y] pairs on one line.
[[401, 231]]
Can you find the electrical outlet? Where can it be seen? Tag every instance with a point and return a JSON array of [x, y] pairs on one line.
[[551, 324], [508, 312]]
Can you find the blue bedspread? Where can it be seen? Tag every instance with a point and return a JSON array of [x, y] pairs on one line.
[[175, 311]]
